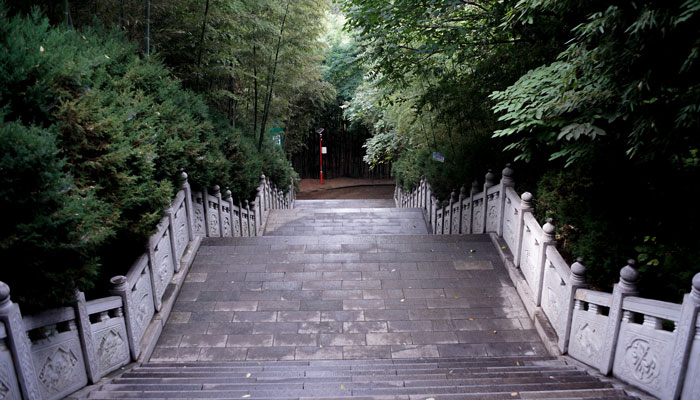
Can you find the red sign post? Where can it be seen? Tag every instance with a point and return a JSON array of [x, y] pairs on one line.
[[320, 151]]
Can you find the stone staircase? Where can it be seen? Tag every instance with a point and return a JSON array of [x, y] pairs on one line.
[[461, 378], [350, 298]]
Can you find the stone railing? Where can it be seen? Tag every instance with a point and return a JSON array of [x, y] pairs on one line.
[[650, 344], [55, 353]]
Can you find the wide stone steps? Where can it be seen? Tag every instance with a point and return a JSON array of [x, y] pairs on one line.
[[523, 377], [345, 217]]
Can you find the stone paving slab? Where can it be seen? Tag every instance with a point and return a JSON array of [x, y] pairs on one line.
[[354, 298]]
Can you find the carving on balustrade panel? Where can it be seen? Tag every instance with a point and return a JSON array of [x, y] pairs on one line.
[[142, 307], [642, 356], [438, 222], [9, 388], [446, 217], [60, 365], [112, 349], [198, 208], [236, 222], [213, 216], [225, 219], [466, 216], [245, 224], [554, 297], [588, 328], [493, 214], [163, 266], [478, 218], [511, 218], [455, 218], [527, 257], [181, 234]]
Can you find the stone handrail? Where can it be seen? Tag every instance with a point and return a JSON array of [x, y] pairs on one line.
[[53, 354], [652, 345]]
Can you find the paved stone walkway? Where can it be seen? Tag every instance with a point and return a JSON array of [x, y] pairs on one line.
[[373, 294]]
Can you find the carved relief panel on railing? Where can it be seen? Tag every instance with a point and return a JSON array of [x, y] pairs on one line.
[[162, 266], [555, 293], [493, 211], [109, 330], [466, 216], [180, 228], [142, 304], [438, 221], [212, 216], [9, 388], [478, 214], [56, 353], [644, 348], [198, 211], [511, 219], [226, 219], [588, 326]]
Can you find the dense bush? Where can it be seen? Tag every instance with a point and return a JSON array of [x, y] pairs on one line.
[[93, 140]]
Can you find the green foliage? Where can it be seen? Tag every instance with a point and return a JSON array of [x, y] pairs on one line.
[[50, 226], [94, 138], [629, 75]]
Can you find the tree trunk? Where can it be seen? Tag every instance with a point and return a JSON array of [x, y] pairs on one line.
[[271, 79], [201, 43], [69, 19], [148, 28]]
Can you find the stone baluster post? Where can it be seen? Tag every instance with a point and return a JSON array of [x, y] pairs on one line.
[[627, 286], [577, 280], [217, 194], [205, 203], [428, 194], [120, 287], [488, 183], [506, 182], [547, 240], [472, 193], [188, 206], [232, 214], [170, 213], [433, 207], [86, 339], [525, 206], [684, 334], [462, 197], [19, 345], [240, 217], [255, 208], [453, 200], [263, 192], [247, 207]]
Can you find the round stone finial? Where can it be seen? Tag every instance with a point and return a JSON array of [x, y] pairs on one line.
[[696, 285], [577, 267], [228, 193], [507, 171], [117, 281], [548, 227], [184, 175], [629, 272], [4, 292], [475, 186], [462, 191], [453, 196], [216, 189], [247, 203], [490, 178]]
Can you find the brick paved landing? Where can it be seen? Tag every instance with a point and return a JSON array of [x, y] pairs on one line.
[[345, 217], [346, 297]]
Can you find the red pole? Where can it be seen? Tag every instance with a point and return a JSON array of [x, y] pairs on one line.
[[320, 155]]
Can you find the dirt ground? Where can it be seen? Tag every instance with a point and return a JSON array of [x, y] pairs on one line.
[[345, 188]]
